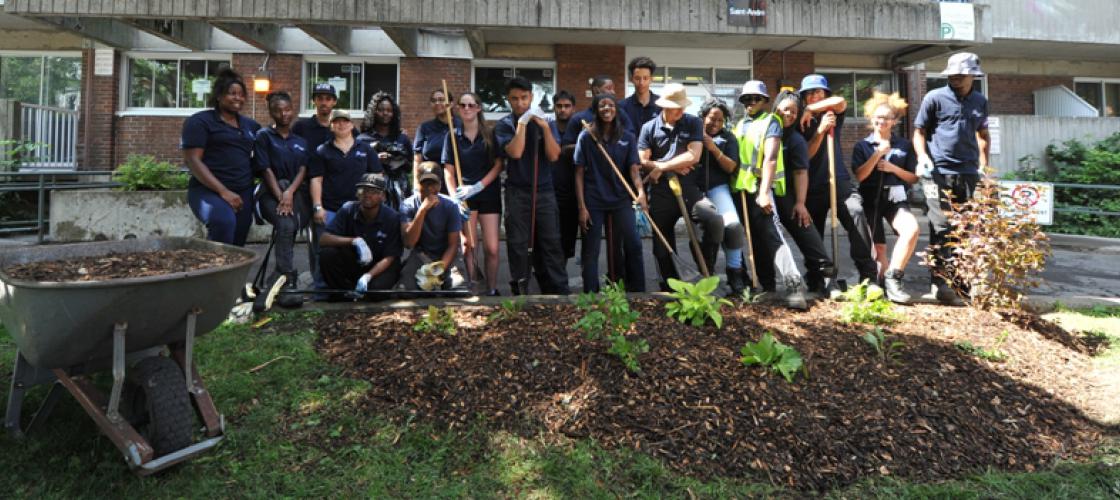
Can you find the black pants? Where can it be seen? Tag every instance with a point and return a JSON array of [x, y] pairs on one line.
[[341, 270], [961, 187], [808, 239], [665, 212], [772, 254], [286, 226], [568, 211], [548, 256], [633, 266], [850, 214]]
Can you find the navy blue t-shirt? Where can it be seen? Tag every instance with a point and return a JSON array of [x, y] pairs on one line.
[[666, 143], [283, 155], [519, 172], [818, 164], [314, 133], [382, 235], [429, 139], [341, 172], [439, 222], [950, 124], [710, 174], [795, 154], [226, 150], [475, 161], [637, 113], [602, 189], [575, 125], [901, 154]]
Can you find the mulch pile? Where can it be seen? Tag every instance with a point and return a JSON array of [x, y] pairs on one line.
[[938, 414], [121, 265]]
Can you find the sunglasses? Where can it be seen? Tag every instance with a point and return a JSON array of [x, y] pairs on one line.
[[468, 105], [751, 99]]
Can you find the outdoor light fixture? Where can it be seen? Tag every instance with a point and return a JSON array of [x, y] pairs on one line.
[[262, 83]]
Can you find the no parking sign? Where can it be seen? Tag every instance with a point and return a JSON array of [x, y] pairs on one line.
[[1032, 199]]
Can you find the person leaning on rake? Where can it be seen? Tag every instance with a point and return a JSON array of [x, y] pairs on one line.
[[361, 247]]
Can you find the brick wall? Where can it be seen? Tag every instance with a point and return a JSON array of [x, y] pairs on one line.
[[286, 70], [576, 64], [1014, 94], [95, 119], [768, 68], [148, 135], [419, 77]]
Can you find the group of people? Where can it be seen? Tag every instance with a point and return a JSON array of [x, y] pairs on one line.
[[369, 192]]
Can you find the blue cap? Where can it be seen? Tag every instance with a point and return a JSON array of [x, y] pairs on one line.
[[813, 82], [324, 88]]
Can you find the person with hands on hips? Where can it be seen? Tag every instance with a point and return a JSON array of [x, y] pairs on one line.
[[217, 146], [430, 226], [362, 245]]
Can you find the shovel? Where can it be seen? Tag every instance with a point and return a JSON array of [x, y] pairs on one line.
[[675, 187], [835, 221]]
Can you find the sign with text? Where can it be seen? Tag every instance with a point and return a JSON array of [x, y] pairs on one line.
[[103, 62], [957, 20], [994, 134], [748, 13], [1031, 199]]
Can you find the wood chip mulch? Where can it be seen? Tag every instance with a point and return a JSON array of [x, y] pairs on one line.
[[940, 413], [121, 265]]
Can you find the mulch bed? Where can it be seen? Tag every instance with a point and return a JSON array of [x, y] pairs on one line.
[[939, 414], [121, 265]]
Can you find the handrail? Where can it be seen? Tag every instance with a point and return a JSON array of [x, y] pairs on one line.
[[42, 186]]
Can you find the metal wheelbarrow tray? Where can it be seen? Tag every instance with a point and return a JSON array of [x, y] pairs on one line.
[[66, 330]]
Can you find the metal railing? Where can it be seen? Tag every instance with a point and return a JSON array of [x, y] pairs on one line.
[[54, 131], [44, 183], [1074, 209]]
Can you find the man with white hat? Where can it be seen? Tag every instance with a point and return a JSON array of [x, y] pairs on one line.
[[951, 141], [671, 144]]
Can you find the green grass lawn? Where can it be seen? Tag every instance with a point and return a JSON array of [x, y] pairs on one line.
[[293, 429]]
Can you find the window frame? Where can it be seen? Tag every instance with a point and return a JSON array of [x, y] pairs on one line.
[[43, 55], [355, 114], [513, 64], [663, 71], [125, 72], [1101, 82], [857, 113]]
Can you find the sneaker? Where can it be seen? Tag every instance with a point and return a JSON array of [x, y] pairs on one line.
[[893, 283], [947, 296], [288, 298], [264, 299], [735, 280], [795, 299], [493, 293]]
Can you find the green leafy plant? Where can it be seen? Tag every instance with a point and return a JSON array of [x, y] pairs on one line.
[[780, 358], [996, 253], [994, 354], [436, 320], [1074, 162], [508, 311], [695, 303], [885, 346], [866, 304], [607, 315], [144, 173], [14, 152]]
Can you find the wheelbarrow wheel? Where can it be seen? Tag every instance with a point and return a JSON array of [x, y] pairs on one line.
[[160, 408]]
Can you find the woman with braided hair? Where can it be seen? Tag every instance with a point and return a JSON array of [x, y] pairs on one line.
[[381, 128], [884, 163]]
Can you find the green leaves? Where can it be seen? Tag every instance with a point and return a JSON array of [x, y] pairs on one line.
[[780, 358], [436, 320], [888, 350], [144, 173], [507, 311], [608, 315], [866, 304], [695, 304]]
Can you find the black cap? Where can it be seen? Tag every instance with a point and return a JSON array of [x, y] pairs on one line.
[[323, 88], [375, 181]]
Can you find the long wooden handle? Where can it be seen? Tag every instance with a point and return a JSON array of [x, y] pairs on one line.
[[750, 246], [455, 156], [832, 179]]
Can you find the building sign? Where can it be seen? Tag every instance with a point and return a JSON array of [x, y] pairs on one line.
[[200, 87], [338, 83], [748, 13], [103, 62], [1032, 199], [957, 20], [993, 134]]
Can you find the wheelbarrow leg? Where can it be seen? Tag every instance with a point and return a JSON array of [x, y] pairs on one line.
[[203, 403], [118, 371], [25, 376]]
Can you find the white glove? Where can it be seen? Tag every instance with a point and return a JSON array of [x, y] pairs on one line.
[[430, 276], [363, 283], [468, 191], [526, 116], [364, 255], [925, 168]]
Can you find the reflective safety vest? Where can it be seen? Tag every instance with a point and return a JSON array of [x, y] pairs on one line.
[[752, 139]]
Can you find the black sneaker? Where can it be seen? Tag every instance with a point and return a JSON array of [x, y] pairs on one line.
[[265, 298], [288, 298], [795, 299], [892, 283], [736, 280]]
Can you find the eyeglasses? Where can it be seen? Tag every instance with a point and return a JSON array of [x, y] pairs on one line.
[[468, 105]]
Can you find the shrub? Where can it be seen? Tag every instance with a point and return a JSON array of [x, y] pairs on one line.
[[695, 303], [995, 354], [436, 320], [864, 304], [608, 315], [508, 311], [780, 358], [144, 173], [1076, 163], [996, 254]]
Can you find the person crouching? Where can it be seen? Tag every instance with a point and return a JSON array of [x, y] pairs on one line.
[[430, 223], [361, 246]]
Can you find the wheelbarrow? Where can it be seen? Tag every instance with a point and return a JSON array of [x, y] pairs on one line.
[[142, 329]]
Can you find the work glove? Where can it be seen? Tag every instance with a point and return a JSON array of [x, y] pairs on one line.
[[464, 210], [528, 115], [925, 168], [364, 255], [363, 283], [465, 192], [430, 276], [641, 223]]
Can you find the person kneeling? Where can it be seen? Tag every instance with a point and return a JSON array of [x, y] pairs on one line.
[[361, 247], [430, 223]]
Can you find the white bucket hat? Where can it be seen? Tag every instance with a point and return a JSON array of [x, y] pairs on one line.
[[963, 63]]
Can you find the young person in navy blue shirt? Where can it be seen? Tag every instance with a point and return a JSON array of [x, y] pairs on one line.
[[281, 158], [601, 193], [217, 147], [362, 244], [600, 84], [641, 106], [481, 188], [430, 225], [884, 164], [563, 177], [316, 129], [381, 128], [951, 142], [427, 145], [338, 165], [529, 146], [718, 161]]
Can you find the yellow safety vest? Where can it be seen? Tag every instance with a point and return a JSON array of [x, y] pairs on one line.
[[752, 139]]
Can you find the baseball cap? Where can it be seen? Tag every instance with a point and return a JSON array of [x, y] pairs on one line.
[[429, 171], [375, 181], [323, 88], [340, 114]]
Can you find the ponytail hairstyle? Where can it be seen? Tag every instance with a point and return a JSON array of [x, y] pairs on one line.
[[597, 126], [484, 127], [225, 80]]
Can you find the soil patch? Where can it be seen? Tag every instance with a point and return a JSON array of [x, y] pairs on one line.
[[939, 413], [121, 265]]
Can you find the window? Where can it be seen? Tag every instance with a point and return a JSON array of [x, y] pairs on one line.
[[702, 83], [490, 84], [863, 83], [53, 80], [157, 82], [355, 81], [1103, 94]]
